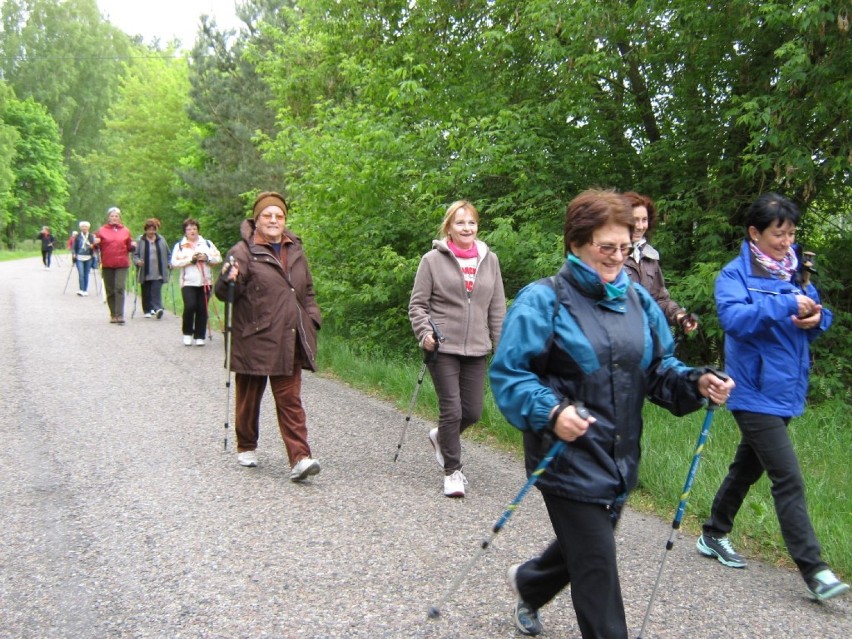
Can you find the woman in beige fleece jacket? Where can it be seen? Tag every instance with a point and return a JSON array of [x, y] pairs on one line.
[[458, 287]]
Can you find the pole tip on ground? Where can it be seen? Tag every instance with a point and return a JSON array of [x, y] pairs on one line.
[[434, 613]]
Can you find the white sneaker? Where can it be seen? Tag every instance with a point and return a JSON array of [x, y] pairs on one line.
[[433, 437], [199, 342], [85, 293], [149, 314], [187, 340], [454, 484], [247, 458], [304, 469], [80, 293]]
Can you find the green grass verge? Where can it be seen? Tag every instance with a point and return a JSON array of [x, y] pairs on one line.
[[6, 256], [822, 438]]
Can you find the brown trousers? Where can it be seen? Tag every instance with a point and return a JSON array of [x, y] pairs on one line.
[[286, 390], [459, 384]]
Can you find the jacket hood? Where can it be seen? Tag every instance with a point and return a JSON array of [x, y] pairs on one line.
[[247, 230]]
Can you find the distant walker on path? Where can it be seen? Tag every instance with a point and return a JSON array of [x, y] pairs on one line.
[[115, 244]]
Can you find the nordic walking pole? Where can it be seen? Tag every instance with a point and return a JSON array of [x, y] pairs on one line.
[[427, 357], [681, 507], [94, 273], [68, 279], [172, 288], [435, 611], [229, 311], [135, 289]]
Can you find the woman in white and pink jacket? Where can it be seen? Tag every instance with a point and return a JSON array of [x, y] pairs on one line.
[[457, 297], [194, 255]]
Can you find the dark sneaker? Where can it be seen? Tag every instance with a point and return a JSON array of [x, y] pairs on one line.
[[825, 585], [721, 549], [525, 616], [159, 313]]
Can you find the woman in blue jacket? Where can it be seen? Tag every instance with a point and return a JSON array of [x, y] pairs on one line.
[[587, 336], [769, 317]]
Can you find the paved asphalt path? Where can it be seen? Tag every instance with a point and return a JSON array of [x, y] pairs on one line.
[[123, 517]]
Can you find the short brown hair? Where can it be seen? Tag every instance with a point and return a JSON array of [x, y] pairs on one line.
[[450, 215], [152, 221], [591, 210], [191, 221]]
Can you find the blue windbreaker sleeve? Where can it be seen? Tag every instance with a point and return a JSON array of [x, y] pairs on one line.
[[742, 314], [527, 332]]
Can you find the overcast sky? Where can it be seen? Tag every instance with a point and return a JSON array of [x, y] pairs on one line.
[[167, 19]]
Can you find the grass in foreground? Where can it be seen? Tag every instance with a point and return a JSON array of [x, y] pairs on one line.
[[822, 439]]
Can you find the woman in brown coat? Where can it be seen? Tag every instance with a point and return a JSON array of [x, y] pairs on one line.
[[643, 263], [274, 330]]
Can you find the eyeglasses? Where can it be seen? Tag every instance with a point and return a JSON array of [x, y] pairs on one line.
[[610, 249], [269, 216]]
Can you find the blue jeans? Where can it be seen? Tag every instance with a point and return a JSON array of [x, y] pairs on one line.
[[766, 446], [83, 268]]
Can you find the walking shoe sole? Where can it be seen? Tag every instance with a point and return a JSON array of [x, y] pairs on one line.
[[835, 591], [709, 552]]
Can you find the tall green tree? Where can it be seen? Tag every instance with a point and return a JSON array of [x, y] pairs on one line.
[[147, 135], [8, 141], [39, 192], [230, 109], [65, 56]]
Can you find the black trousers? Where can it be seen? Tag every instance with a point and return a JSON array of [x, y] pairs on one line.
[[583, 555], [766, 446], [151, 295], [194, 311]]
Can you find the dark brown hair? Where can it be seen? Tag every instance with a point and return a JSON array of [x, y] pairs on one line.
[[191, 221], [591, 210], [636, 200]]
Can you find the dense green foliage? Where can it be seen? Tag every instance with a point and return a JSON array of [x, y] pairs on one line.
[[373, 116], [146, 135], [39, 190], [66, 57]]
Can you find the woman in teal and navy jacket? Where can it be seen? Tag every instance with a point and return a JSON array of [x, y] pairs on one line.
[[770, 317], [587, 336]]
